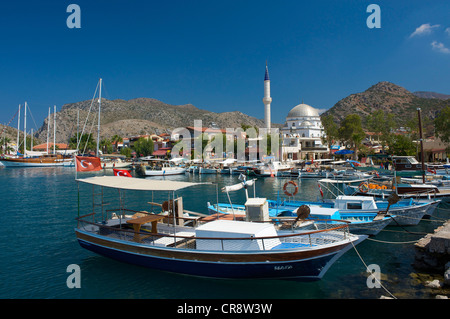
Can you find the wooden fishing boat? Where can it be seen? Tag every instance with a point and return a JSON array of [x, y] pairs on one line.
[[39, 161], [218, 248]]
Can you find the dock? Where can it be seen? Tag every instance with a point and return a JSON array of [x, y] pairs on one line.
[[433, 250]]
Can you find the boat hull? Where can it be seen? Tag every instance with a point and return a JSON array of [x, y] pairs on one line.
[[308, 264], [35, 162], [164, 172]]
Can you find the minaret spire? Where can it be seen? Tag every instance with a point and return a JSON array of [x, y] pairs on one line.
[[267, 99]]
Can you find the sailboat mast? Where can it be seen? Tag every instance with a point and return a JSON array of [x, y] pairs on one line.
[[18, 132], [48, 128], [99, 109], [25, 132], [54, 129], [78, 125]]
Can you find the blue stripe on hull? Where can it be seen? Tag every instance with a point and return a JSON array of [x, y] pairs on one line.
[[309, 269]]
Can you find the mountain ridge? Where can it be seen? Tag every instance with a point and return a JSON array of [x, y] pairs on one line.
[[390, 98], [137, 116]]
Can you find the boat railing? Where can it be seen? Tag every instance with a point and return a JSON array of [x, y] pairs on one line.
[[182, 237]]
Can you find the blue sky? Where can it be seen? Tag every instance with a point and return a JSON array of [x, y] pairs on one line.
[[212, 54]]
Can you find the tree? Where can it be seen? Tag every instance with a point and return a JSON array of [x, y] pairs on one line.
[[144, 146], [351, 132], [4, 145], [442, 125], [126, 151], [116, 139], [382, 124], [87, 143], [331, 130], [402, 145], [105, 146]]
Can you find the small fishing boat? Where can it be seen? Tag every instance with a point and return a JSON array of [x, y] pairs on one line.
[[272, 168], [218, 248], [406, 212], [160, 168], [114, 163], [366, 223], [207, 170]]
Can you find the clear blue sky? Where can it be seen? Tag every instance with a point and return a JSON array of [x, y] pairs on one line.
[[212, 54]]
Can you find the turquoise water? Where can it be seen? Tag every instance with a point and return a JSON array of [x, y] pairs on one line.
[[37, 243]]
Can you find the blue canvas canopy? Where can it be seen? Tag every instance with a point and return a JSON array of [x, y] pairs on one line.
[[344, 152]]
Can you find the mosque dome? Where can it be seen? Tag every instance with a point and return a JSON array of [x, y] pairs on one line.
[[303, 110]]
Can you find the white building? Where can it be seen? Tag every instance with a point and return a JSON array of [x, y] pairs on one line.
[[302, 134]]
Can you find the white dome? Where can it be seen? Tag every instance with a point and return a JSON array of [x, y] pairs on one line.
[[303, 110]]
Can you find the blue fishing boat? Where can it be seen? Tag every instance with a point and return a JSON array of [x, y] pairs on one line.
[[407, 212], [367, 223], [182, 242]]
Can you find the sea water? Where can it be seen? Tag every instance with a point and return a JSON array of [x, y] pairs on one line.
[[38, 244]]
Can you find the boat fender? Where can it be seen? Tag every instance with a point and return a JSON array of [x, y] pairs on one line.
[[363, 187], [289, 193]]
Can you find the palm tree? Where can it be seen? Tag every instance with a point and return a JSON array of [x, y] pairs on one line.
[[4, 144], [116, 139]]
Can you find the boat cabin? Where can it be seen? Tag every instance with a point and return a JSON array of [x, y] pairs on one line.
[[406, 163], [344, 202], [236, 229]]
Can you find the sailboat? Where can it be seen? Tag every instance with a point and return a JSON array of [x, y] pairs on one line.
[[35, 159]]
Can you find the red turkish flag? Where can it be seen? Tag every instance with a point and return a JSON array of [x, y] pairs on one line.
[[122, 172], [87, 163]]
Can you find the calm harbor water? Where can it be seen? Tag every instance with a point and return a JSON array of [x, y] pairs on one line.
[[37, 242]]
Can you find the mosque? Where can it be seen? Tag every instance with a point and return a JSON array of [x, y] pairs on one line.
[[302, 132]]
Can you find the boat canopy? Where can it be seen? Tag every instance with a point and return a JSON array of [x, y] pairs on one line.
[[239, 186], [122, 182]]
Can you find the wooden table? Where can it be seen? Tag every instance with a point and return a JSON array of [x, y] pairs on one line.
[[138, 222]]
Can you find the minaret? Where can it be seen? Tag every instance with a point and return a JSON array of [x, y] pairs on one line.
[[267, 99]]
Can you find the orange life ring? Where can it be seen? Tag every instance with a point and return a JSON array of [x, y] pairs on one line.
[[309, 170], [364, 187], [286, 191]]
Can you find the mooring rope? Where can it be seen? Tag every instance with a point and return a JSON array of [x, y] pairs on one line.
[[367, 269], [394, 242]]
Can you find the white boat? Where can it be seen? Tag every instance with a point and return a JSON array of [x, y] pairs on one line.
[[114, 163], [160, 168], [272, 168], [218, 249]]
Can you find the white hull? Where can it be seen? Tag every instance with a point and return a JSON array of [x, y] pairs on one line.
[[164, 172], [35, 164]]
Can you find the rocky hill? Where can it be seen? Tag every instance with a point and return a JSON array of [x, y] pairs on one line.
[[135, 117], [390, 98], [431, 95]]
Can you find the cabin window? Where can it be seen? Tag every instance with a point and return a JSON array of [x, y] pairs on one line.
[[354, 205]]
